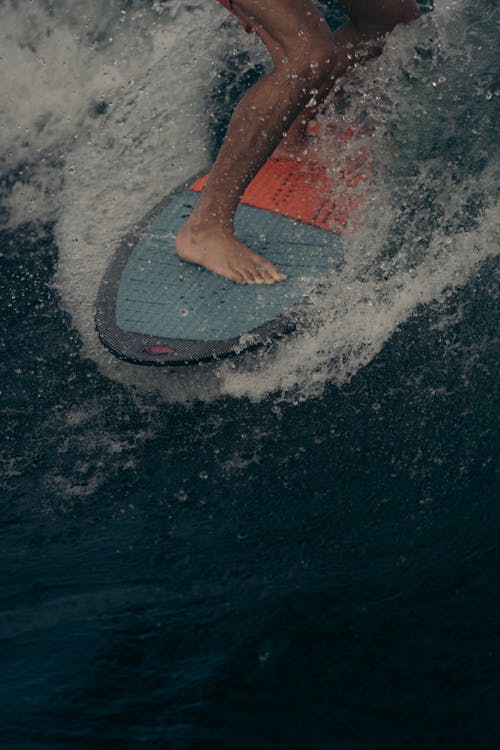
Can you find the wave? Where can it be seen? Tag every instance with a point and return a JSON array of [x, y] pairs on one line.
[[109, 108]]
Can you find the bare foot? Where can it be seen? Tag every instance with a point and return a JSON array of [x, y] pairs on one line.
[[218, 250]]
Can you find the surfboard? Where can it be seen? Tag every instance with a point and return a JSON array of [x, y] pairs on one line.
[[154, 309]]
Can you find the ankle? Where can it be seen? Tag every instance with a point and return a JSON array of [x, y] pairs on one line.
[[200, 226]]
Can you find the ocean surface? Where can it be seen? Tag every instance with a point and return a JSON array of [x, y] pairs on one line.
[[297, 549]]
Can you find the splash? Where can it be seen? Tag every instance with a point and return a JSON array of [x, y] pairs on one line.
[[432, 215], [72, 71], [108, 111]]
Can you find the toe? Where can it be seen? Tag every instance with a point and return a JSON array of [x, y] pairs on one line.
[[250, 275], [268, 278], [236, 276], [272, 272], [262, 276]]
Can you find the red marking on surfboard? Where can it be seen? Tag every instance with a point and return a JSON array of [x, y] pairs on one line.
[[306, 191], [158, 349]]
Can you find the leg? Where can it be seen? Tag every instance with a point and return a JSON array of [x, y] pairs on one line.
[[360, 38], [300, 44], [307, 57]]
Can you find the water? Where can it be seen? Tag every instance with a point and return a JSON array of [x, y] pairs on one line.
[[297, 549]]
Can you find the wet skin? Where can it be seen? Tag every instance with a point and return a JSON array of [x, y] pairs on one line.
[[307, 58]]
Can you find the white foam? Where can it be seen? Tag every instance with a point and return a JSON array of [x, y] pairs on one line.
[[394, 263], [97, 175]]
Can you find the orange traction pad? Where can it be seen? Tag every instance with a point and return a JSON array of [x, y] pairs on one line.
[[306, 191]]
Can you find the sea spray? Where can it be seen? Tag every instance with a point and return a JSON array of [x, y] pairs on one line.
[[429, 218], [109, 110]]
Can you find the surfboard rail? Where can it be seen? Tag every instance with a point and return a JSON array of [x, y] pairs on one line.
[[146, 349], [149, 302]]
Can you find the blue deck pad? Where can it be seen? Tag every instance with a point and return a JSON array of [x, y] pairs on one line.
[[159, 295]]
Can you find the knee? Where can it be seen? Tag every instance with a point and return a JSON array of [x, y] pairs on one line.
[[311, 62]]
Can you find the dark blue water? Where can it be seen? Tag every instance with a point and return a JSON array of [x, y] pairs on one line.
[[291, 567]]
